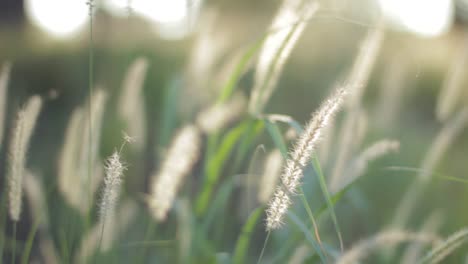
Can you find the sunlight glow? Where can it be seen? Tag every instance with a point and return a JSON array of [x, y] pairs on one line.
[[423, 17], [161, 11], [60, 18]]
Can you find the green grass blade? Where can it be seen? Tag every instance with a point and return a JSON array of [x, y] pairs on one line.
[[29, 242], [308, 235], [255, 128], [216, 163], [277, 138], [169, 113], [436, 175], [243, 241], [219, 201], [239, 70], [328, 199]]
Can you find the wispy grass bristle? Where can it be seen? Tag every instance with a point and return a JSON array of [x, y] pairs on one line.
[[300, 157], [19, 142], [180, 158], [307, 142], [114, 169]]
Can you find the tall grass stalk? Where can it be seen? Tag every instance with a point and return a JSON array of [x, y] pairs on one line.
[[4, 77]]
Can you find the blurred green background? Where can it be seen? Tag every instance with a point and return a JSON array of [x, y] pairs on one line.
[[56, 67]]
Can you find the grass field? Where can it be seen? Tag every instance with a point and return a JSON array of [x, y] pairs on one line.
[[309, 137]]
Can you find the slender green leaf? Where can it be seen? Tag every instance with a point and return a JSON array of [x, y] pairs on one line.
[[255, 128], [243, 241], [29, 242], [168, 113], [240, 69], [308, 235], [277, 138], [215, 165], [326, 194]]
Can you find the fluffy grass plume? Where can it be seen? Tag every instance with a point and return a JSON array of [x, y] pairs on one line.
[[21, 134], [287, 27], [112, 180], [218, 116], [359, 166], [300, 157], [131, 105], [180, 158], [445, 248], [453, 86], [383, 239], [271, 173], [4, 76], [74, 159]]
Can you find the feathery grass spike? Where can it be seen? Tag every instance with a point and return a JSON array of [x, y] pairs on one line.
[[300, 157], [113, 179], [21, 134], [180, 158]]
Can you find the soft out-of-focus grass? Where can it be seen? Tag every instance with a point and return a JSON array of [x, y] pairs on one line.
[[208, 207]]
